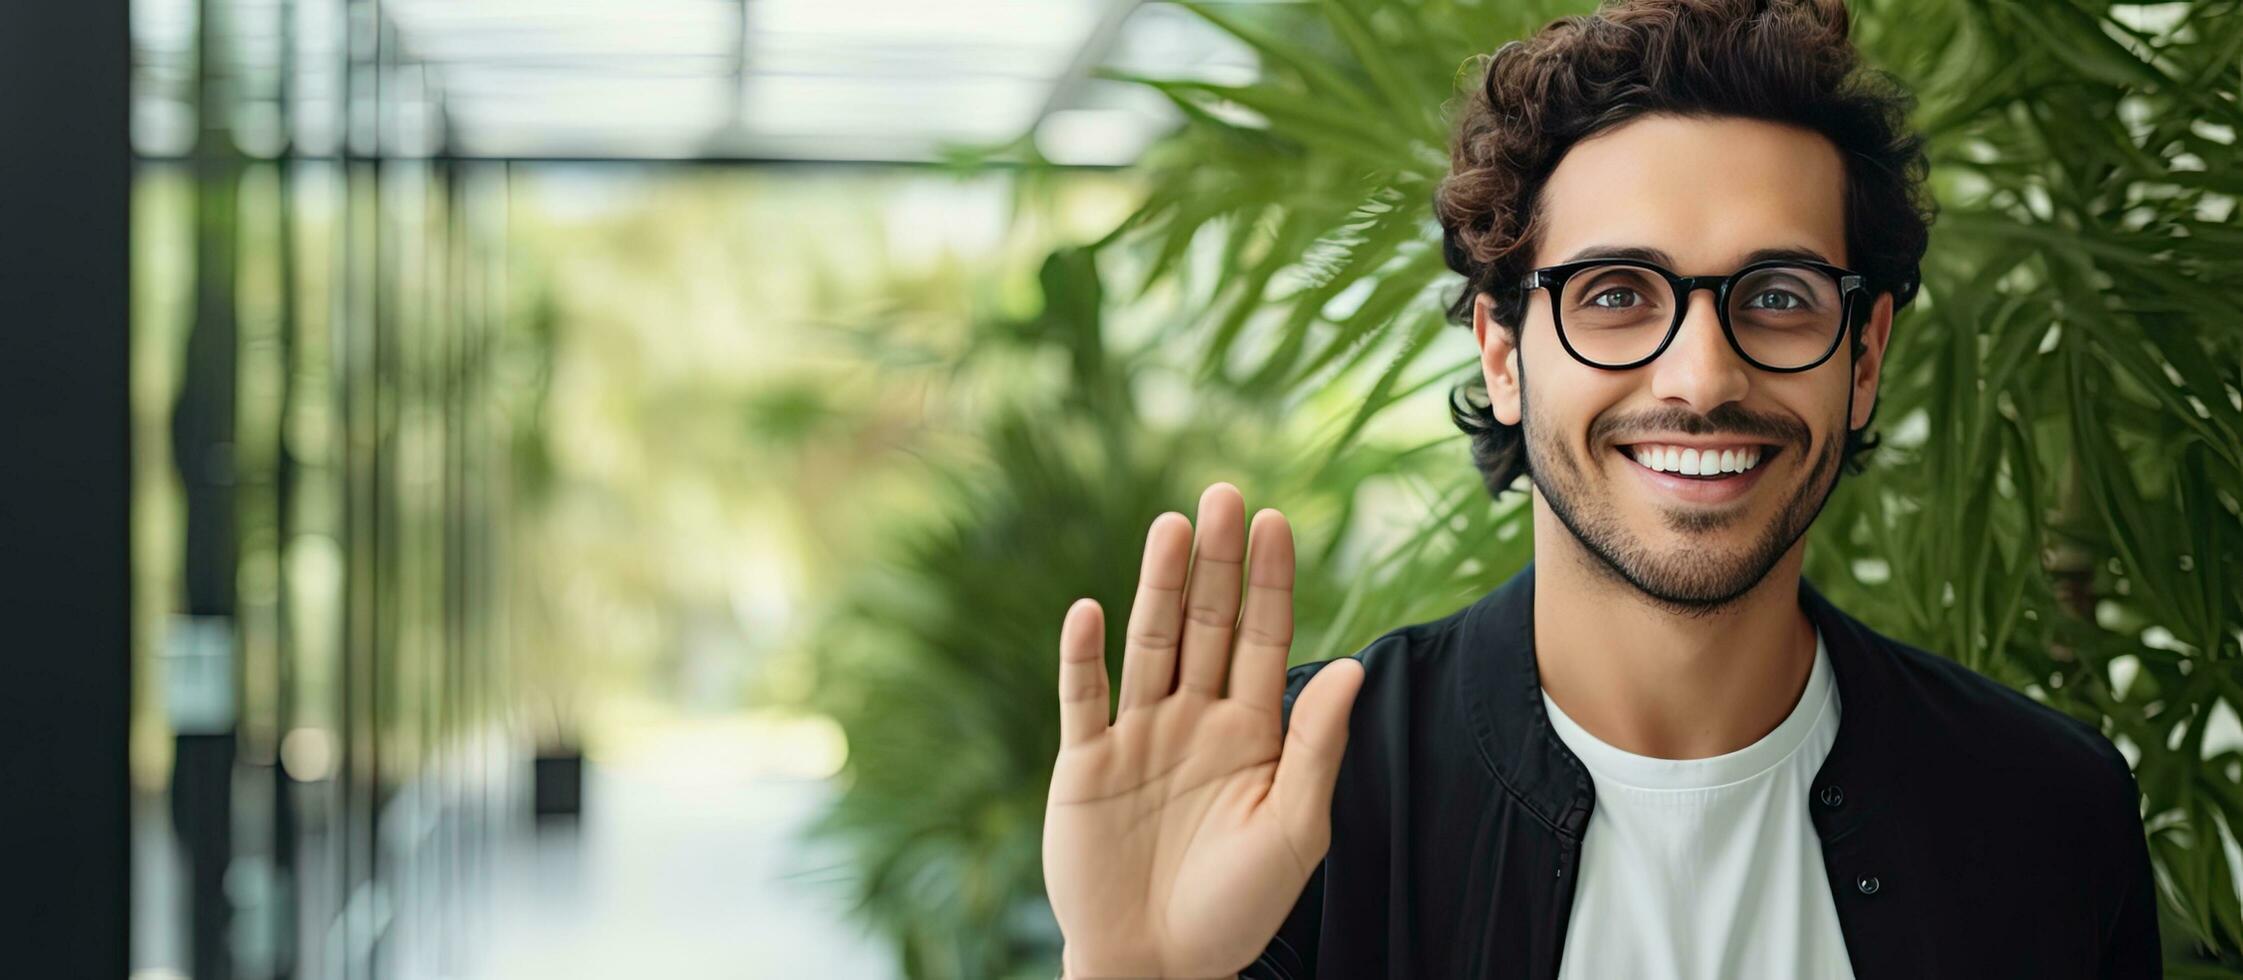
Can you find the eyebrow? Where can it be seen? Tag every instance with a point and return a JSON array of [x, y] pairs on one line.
[[1647, 253]]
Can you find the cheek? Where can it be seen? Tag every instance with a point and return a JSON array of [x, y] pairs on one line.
[[1825, 403], [1822, 412], [1571, 406]]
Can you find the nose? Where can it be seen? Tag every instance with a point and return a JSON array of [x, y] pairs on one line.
[[1699, 369]]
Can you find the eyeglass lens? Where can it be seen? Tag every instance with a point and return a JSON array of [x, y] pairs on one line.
[[1783, 316]]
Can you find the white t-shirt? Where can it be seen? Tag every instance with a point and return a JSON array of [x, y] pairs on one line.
[[1695, 869]]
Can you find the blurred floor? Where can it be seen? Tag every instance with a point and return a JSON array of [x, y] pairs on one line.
[[159, 934], [685, 865]]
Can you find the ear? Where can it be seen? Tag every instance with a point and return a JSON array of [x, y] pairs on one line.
[[1871, 364], [1499, 360]]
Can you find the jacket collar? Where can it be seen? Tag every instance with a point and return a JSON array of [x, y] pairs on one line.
[[1502, 693]]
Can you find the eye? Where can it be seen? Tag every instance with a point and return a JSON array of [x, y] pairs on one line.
[[1793, 298], [1594, 300]]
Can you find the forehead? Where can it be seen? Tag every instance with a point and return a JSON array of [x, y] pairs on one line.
[[1707, 191]]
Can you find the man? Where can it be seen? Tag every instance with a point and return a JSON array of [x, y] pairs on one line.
[[1657, 750]]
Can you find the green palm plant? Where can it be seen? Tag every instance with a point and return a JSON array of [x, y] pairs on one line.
[[2057, 505]]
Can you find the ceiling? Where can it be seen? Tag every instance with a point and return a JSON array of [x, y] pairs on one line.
[[810, 80]]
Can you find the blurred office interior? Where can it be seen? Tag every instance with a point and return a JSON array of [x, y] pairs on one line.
[[466, 603]]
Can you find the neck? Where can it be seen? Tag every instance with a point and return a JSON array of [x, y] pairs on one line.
[[1653, 681]]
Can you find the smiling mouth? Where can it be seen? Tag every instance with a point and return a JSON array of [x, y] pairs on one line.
[[1768, 454]]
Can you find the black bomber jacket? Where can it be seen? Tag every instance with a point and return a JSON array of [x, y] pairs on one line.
[[1968, 830]]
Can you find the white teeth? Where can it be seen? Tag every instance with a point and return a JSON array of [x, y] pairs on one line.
[[1692, 462]]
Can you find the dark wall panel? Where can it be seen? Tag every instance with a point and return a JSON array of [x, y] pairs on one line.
[[65, 600]]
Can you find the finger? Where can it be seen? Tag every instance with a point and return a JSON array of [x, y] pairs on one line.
[[1315, 739], [1211, 602], [1265, 631], [1149, 645], [1082, 673]]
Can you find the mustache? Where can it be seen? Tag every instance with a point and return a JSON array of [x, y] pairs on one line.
[[1725, 421]]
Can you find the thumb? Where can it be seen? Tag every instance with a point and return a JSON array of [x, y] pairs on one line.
[[1309, 764]]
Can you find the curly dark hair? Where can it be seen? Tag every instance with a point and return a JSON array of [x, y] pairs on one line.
[[1783, 61]]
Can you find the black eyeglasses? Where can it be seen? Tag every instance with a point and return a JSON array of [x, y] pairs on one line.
[[1781, 315]]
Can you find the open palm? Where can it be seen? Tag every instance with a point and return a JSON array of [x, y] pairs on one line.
[[1177, 837]]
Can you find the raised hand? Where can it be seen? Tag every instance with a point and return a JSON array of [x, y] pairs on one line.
[[1178, 837]]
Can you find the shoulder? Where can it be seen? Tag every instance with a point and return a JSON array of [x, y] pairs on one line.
[[1403, 650], [1963, 714], [1972, 744]]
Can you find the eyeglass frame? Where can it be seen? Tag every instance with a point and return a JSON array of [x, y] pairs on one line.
[[1851, 285]]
